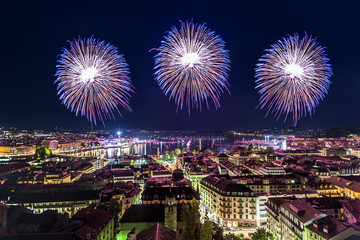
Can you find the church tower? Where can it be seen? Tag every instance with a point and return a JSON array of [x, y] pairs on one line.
[[170, 212]]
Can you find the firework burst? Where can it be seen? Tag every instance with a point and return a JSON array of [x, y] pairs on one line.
[[93, 79], [293, 77], [192, 66]]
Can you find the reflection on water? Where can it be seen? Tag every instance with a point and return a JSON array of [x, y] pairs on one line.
[[156, 147]]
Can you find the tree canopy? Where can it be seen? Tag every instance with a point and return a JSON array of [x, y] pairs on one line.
[[262, 234], [43, 153], [190, 216], [207, 231]]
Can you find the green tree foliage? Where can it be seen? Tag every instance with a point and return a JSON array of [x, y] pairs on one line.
[[165, 157], [270, 150], [172, 155], [43, 153], [251, 147], [177, 151], [207, 231], [218, 232], [195, 151], [262, 234], [190, 216], [185, 150], [231, 236]]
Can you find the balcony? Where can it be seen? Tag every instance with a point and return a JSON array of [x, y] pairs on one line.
[[225, 211], [225, 206]]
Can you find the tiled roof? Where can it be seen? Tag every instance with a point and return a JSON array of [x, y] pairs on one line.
[[308, 214], [334, 227], [348, 183], [157, 232], [147, 213]]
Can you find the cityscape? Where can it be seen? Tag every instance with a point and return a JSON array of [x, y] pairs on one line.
[[191, 120]]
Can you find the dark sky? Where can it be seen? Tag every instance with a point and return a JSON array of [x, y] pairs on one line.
[[33, 34]]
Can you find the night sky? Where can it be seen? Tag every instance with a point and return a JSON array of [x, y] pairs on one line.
[[33, 34]]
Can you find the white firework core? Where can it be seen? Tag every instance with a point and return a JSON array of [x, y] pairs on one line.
[[294, 70], [88, 74], [189, 59]]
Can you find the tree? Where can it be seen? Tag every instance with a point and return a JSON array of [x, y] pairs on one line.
[[219, 232], [195, 151], [185, 150], [165, 157], [207, 231], [269, 150], [43, 153], [262, 234], [172, 155], [231, 236], [190, 216], [251, 147], [177, 151]]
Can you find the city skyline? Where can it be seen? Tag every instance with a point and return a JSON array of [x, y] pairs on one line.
[[40, 31]]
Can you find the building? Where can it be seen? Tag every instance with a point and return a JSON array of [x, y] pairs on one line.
[[270, 184], [329, 228], [94, 224], [123, 175], [288, 218], [170, 219], [63, 202], [346, 186], [231, 204], [125, 193], [153, 194], [352, 212], [157, 232], [51, 144], [272, 170], [222, 157], [144, 216], [262, 198]]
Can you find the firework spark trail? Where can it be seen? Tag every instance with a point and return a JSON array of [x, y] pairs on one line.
[[293, 77], [93, 79], [192, 66]]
